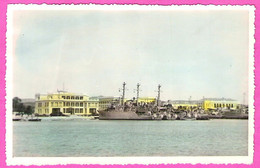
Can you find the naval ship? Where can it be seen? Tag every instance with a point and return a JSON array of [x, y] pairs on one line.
[[132, 110], [127, 111]]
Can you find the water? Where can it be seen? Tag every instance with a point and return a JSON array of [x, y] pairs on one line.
[[130, 138]]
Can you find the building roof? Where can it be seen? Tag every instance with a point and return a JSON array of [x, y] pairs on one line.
[[219, 99], [185, 101]]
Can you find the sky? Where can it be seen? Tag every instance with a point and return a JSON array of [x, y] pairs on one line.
[[190, 53]]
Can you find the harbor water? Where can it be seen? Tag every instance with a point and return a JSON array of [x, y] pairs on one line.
[[85, 138]]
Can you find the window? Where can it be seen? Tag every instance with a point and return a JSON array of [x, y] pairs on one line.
[[77, 104], [81, 104], [232, 105], [39, 104], [72, 104], [67, 104], [215, 105], [77, 97], [81, 110], [81, 97], [72, 97], [92, 110], [68, 97], [77, 110], [63, 97], [47, 104]]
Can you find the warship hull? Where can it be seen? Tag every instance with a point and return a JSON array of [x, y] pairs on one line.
[[119, 115]]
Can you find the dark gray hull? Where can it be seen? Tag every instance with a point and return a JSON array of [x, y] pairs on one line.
[[118, 115]]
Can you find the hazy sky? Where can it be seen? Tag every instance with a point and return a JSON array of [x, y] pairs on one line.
[[190, 53]]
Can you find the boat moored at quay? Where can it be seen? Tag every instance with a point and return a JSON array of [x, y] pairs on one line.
[[134, 110], [130, 110]]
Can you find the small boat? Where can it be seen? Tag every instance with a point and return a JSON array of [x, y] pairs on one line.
[[34, 119], [96, 117], [16, 119], [202, 118]]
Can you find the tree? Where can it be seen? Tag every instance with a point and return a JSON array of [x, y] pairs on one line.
[[28, 110], [18, 105]]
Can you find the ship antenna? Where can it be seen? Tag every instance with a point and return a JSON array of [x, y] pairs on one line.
[[159, 92]]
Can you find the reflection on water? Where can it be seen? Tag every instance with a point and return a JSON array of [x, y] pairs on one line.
[[130, 138]]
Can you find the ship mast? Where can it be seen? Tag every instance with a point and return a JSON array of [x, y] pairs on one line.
[[123, 96], [159, 92], [137, 90]]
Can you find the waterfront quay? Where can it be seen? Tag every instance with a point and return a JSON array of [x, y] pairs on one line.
[[67, 104], [63, 103]]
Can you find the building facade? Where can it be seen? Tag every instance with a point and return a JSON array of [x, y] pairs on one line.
[[105, 102], [220, 103], [64, 103], [207, 104], [146, 100], [185, 104]]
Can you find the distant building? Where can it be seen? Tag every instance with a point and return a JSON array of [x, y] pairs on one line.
[[220, 103], [206, 104], [92, 105], [105, 102], [65, 103], [185, 104], [28, 102], [146, 100]]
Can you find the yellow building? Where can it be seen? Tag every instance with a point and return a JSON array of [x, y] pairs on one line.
[[146, 100], [65, 103], [214, 104], [92, 106], [105, 102], [184, 104]]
